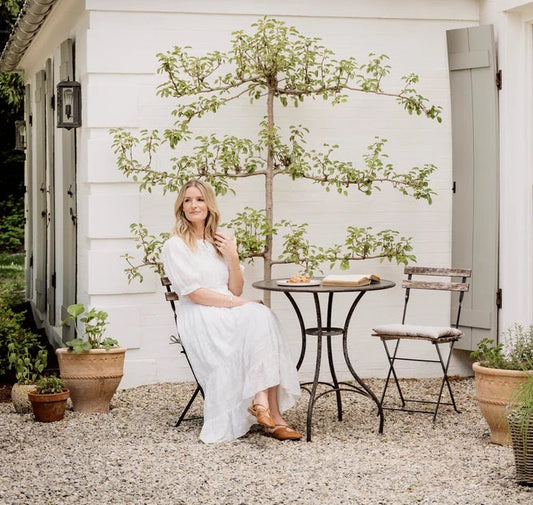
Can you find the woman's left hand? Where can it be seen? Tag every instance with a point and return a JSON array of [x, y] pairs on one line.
[[226, 245]]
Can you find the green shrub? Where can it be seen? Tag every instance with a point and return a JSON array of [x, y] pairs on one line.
[[12, 279], [12, 225], [12, 292], [18, 345]]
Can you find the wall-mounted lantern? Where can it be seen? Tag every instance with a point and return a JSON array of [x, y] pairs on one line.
[[20, 135], [68, 104]]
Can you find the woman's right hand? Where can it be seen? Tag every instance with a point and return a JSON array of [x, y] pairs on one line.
[[239, 300]]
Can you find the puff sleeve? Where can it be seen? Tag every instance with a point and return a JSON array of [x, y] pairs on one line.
[[180, 266]]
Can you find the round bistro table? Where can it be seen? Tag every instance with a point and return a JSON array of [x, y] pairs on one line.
[[320, 331]]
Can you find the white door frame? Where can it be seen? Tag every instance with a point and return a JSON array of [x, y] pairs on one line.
[[515, 50]]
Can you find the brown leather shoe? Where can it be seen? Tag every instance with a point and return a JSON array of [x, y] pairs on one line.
[[283, 432], [262, 414]]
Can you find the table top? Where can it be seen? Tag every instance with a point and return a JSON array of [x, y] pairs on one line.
[[273, 285]]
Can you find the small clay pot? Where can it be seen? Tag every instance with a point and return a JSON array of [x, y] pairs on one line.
[[50, 407]]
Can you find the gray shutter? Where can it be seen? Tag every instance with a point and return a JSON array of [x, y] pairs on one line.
[[29, 210], [51, 239], [39, 251], [474, 102], [68, 154]]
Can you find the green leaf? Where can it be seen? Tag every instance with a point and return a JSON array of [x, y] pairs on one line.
[[76, 309]]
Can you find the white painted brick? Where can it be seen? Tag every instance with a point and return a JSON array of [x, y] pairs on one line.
[[107, 276], [110, 216], [138, 371], [125, 325]]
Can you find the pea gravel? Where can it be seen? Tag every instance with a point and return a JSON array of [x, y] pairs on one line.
[[134, 455]]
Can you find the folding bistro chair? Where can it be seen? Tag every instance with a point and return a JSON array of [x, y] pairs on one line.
[[436, 335], [172, 297]]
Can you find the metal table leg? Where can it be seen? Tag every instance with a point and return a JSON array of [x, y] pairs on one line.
[[329, 331]]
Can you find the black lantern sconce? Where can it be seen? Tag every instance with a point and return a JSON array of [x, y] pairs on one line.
[[68, 104], [20, 135]]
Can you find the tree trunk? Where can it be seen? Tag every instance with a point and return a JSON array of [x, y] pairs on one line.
[[269, 179]]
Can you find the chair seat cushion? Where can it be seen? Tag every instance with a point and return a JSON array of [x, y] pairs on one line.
[[416, 331]]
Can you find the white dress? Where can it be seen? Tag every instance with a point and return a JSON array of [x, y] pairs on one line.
[[235, 352]]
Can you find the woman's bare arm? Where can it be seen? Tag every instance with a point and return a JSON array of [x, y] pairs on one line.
[[205, 296], [228, 248]]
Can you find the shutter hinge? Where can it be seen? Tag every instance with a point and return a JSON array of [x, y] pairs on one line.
[[499, 298], [31, 261], [53, 280], [53, 102], [30, 120], [499, 79], [453, 187]]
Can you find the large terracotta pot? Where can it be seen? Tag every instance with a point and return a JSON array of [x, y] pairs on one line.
[[494, 390], [92, 376], [49, 408], [19, 397]]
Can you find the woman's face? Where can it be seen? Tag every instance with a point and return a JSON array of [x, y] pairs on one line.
[[194, 206]]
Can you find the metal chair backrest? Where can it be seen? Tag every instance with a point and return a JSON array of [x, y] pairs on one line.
[[460, 287], [172, 297]]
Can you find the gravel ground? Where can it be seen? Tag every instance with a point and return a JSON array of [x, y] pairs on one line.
[[134, 455]]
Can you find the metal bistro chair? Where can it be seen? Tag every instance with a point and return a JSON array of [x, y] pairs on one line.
[[437, 335], [172, 297]]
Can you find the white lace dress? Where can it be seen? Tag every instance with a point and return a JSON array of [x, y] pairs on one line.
[[235, 352]]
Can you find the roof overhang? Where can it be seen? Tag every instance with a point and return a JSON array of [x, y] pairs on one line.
[[26, 28]]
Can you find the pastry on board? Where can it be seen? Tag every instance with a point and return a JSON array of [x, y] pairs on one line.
[[298, 279]]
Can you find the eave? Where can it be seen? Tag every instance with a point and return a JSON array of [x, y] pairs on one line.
[[29, 22]]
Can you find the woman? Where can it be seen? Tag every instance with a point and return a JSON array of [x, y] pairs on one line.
[[235, 345]]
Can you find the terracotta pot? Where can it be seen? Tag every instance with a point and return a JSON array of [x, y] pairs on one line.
[[19, 397], [92, 376], [494, 389], [49, 408]]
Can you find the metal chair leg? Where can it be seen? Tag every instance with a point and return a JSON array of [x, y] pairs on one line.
[[186, 409], [445, 380], [444, 363], [392, 372]]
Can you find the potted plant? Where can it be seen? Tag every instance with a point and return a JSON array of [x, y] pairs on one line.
[[520, 419], [499, 370], [49, 399], [91, 367], [22, 357], [28, 368]]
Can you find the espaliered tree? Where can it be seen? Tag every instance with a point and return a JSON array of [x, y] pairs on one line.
[[277, 66]]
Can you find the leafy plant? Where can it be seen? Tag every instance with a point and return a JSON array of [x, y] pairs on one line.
[[278, 66], [18, 345], [489, 354], [515, 353], [49, 385], [521, 409], [94, 325], [27, 368]]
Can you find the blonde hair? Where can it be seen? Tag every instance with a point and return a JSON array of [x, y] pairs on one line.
[[183, 227]]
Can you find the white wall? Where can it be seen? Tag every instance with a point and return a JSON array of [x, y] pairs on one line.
[[513, 20], [118, 79], [120, 86]]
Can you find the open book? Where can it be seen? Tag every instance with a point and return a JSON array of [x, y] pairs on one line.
[[350, 280]]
